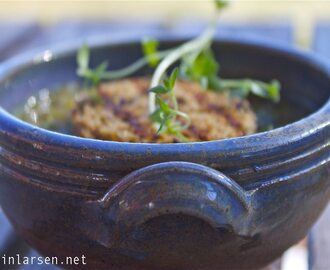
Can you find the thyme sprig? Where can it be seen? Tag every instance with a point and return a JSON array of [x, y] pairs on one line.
[[188, 50], [177, 54], [204, 69], [150, 47], [197, 63], [166, 116], [100, 73]]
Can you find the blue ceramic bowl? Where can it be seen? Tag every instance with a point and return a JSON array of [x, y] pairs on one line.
[[229, 204]]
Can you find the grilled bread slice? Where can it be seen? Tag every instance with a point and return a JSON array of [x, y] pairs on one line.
[[123, 116]]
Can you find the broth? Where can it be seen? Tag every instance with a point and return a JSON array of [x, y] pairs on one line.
[[52, 110]]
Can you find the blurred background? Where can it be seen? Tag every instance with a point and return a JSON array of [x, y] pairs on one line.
[[300, 14]]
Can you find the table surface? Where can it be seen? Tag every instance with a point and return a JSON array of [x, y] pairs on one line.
[[17, 37]]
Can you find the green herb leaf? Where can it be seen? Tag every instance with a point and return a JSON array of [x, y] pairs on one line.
[[274, 90], [220, 4], [159, 89], [256, 89], [101, 68], [156, 116], [150, 47], [244, 87], [163, 123], [83, 58], [96, 75], [163, 105], [173, 77], [270, 91], [202, 68], [165, 115]]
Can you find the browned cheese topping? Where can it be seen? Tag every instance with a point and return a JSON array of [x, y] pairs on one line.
[[124, 115]]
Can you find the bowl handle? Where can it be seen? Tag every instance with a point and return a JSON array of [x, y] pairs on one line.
[[172, 188]]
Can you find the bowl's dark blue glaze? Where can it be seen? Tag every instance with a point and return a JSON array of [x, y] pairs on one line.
[[230, 204]]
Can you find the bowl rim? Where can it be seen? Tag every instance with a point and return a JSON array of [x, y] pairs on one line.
[[246, 145]]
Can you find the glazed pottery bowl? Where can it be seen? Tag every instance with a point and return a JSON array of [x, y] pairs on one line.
[[229, 204]]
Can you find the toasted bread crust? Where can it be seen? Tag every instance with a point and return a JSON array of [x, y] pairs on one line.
[[124, 114]]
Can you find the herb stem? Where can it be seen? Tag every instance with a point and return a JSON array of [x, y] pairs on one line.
[[124, 72], [186, 117], [238, 83], [175, 102], [194, 45]]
